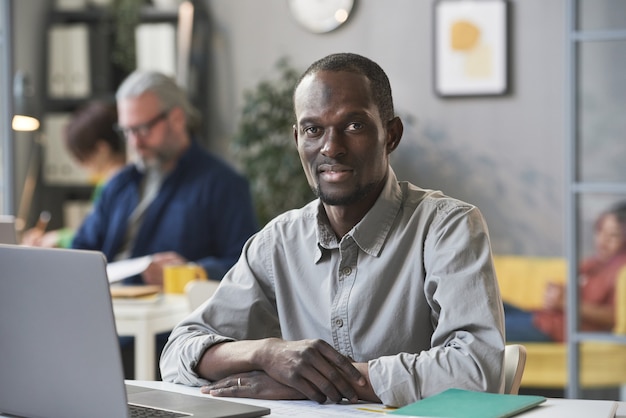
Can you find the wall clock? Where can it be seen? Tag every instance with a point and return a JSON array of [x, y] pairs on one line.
[[321, 16]]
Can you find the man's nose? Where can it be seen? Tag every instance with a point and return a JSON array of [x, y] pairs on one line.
[[334, 144]]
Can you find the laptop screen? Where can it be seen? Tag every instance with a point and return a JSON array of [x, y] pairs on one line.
[[60, 352]]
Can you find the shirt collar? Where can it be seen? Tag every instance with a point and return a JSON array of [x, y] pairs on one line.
[[372, 231]]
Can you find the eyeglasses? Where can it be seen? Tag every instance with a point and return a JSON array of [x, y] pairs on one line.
[[143, 130]]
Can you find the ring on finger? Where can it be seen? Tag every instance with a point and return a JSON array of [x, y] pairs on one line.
[[239, 382]]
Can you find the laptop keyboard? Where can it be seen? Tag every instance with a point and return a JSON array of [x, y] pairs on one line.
[[140, 411]]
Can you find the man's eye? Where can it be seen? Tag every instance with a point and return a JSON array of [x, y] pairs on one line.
[[354, 126], [143, 130], [311, 130]]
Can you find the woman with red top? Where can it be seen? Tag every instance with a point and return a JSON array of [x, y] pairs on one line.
[[598, 276]]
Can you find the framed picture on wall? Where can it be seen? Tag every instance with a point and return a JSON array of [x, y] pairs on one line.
[[470, 47]]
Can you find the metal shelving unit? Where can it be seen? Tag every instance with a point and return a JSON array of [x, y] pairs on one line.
[[585, 39], [105, 76]]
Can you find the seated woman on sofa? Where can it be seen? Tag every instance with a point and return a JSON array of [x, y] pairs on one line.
[[598, 275]]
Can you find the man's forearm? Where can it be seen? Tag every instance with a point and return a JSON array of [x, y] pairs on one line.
[[228, 358], [311, 367]]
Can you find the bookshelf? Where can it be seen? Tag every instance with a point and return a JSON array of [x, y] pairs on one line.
[[595, 96], [82, 63]]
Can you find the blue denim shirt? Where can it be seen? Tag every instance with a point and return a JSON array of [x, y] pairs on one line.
[[203, 211]]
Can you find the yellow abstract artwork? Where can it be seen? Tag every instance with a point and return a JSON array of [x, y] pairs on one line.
[[470, 47]]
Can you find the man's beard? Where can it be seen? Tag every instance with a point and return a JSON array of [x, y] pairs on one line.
[[358, 195], [144, 164], [155, 161]]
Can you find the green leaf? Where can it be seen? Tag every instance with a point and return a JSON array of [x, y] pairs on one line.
[[264, 147]]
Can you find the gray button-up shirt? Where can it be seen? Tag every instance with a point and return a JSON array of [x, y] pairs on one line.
[[410, 289]]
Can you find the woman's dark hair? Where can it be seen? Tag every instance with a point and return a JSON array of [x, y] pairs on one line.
[[91, 124], [619, 211]]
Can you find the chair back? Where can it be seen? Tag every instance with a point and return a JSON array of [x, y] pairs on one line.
[[514, 362], [198, 291]]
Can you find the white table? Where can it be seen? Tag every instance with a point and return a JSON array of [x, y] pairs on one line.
[[552, 408], [143, 320]]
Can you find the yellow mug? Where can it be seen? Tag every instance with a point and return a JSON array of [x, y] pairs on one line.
[[176, 277]]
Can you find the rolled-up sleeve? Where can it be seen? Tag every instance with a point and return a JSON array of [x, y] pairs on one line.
[[240, 309]]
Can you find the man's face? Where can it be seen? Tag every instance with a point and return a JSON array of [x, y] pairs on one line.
[[148, 130], [342, 141]]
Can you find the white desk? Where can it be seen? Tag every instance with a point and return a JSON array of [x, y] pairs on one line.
[[552, 408], [143, 321]]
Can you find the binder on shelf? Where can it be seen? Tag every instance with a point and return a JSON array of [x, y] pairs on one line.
[[56, 61], [79, 82], [69, 73], [59, 167], [156, 47]]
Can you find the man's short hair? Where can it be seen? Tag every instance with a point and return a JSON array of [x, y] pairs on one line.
[[379, 82]]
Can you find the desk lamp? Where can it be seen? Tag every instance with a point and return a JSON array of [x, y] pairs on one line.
[[24, 118]]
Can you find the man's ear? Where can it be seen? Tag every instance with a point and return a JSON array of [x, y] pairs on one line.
[[395, 128], [295, 133], [178, 118]]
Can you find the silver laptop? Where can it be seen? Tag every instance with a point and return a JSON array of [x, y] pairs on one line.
[[59, 351], [7, 230]]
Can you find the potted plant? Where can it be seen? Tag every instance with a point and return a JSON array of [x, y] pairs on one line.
[[126, 17], [265, 149]]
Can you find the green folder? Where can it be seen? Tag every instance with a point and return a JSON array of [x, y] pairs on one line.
[[458, 403]]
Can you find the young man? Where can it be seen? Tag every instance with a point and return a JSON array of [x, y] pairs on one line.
[[176, 201], [378, 290]]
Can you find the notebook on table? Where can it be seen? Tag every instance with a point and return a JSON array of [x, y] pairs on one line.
[[59, 351], [458, 402]]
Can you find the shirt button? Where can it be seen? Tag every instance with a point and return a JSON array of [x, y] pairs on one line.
[[339, 322], [347, 271]]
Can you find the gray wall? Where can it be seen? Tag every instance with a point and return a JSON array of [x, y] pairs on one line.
[[503, 154]]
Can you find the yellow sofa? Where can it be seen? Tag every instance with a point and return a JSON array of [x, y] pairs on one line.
[[522, 281]]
